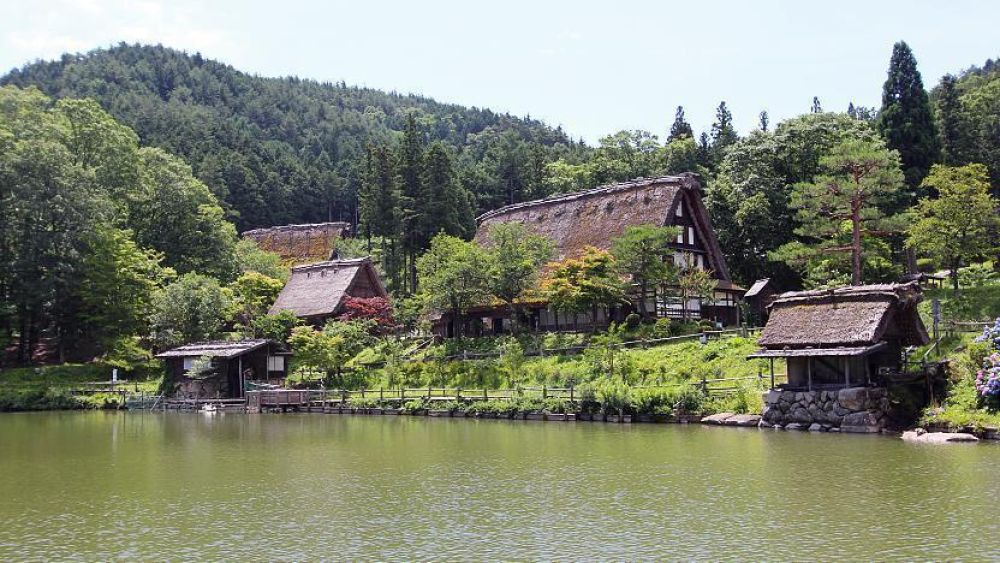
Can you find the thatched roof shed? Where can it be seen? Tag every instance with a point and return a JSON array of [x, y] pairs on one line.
[[847, 317], [316, 292], [299, 244], [596, 217]]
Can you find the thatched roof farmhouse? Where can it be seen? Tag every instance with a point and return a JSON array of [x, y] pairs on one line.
[[301, 244], [596, 217], [316, 292]]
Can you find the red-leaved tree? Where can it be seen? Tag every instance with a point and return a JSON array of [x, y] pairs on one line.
[[377, 309]]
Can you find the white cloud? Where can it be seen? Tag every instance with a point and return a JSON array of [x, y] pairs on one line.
[[59, 26]]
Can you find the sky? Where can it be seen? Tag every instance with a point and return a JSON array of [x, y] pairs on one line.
[[592, 67]]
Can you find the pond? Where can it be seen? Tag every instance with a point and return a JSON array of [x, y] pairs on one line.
[[103, 485]]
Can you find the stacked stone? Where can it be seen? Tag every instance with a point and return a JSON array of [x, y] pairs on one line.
[[854, 409]]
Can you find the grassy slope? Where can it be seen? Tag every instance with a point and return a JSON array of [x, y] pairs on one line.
[[48, 387]]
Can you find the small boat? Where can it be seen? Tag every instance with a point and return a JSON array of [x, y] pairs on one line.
[[209, 408]]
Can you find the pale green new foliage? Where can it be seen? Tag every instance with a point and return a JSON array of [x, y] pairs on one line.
[[960, 225], [516, 256], [695, 283], [453, 276], [252, 258], [119, 284], [253, 294], [330, 349]]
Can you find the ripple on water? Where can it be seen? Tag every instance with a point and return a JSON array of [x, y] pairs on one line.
[[151, 486]]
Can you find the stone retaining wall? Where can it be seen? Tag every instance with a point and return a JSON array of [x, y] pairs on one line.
[[854, 409]]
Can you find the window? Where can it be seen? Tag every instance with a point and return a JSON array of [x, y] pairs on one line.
[[275, 363], [690, 235], [189, 362], [680, 210], [680, 236]]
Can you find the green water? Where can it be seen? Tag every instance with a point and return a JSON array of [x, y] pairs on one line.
[[100, 486]]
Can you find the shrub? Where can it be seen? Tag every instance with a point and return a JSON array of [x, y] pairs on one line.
[[416, 405], [613, 395]]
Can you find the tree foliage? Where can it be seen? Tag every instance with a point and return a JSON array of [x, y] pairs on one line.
[[905, 120], [960, 225], [859, 179]]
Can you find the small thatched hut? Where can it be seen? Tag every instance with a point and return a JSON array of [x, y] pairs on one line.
[[316, 292], [842, 337], [234, 365], [301, 244], [596, 217]]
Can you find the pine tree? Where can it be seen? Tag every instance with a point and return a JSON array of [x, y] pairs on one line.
[[680, 128], [816, 107], [905, 120], [723, 133], [764, 121], [949, 121]]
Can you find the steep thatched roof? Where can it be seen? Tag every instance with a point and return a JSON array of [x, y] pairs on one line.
[[848, 316], [298, 244], [217, 349], [595, 217], [317, 290]]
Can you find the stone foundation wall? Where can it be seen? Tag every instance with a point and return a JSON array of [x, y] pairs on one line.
[[854, 409]]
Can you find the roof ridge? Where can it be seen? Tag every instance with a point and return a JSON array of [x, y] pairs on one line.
[[295, 226], [330, 263], [682, 179]]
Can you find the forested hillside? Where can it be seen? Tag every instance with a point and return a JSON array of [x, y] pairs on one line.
[[284, 150]]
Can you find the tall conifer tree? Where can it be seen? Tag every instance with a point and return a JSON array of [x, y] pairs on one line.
[[680, 128], [949, 121], [410, 164], [723, 132], [905, 121]]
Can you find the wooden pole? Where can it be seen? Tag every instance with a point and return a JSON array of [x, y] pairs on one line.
[[809, 372]]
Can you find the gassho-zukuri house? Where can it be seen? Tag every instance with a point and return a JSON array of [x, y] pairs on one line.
[[236, 366], [595, 218], [840, 346], [316, 292]]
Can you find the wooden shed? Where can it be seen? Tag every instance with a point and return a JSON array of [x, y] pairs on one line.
[[316, 292], [843, 337], [235, 366]]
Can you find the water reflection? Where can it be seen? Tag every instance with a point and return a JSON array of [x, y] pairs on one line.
[[157, 485]]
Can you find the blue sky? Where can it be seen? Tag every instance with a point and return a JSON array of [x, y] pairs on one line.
[[592, 67]]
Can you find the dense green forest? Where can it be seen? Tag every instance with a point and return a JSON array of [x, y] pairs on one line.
[[125, 174], [286, 150]]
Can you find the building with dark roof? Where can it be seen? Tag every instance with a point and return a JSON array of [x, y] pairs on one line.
[[596, 217], [316, 292], [843, 337], [233, 367]]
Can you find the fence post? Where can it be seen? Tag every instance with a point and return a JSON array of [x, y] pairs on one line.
[[486, 397], [381, 395], [571, 392], [704, 385], [428, 391], [458, 394], [545, 391]]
